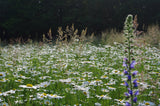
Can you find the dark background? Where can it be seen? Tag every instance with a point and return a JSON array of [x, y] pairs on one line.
[[32, 18]]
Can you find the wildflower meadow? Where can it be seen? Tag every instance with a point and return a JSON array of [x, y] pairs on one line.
[[81, 74]]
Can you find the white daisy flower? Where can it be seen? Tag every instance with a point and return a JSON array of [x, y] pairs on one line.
[[97, 104], [2, 74], [4, 104], [30, 86], [103, 97], [51, 96]]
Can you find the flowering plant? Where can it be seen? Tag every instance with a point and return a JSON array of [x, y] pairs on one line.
[[129, 63]]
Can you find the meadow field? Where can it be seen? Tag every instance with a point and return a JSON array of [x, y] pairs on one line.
[[77, 74], [80, 73]]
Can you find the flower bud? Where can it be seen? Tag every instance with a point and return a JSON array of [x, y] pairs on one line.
[[135, 100], [129, 77]]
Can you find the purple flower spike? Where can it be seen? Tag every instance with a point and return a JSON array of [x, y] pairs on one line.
[[132, 64], [129, 77], [134, 73], [126, 84], [128, 104], [135, 99], [136, 93], [125, 72]]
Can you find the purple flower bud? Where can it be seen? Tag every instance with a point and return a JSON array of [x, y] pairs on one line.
[[125, 72], [134, 73], [135, 99], [128, 104], [129, 77], [124, 64], [132, 64], [135, 85], [130, 92], [126, 94], [125, 59], [135, 81], [126, 84], [136, 93]]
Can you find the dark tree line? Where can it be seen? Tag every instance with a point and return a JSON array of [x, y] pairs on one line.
[[34, 17]]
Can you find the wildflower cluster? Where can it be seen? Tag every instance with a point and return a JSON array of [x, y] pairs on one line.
[[129, 63]]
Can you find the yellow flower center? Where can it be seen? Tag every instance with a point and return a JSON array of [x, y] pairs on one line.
[[85, 93], [102, 95], [19, 80], [2, 80], [116, 71], [4, 105], [104, 76], [47, 102], [29, 85], [81, 78], [147, 103], [44, 94], [98, 80], [1, 74], [45, 85], [55, 95], [120, 99]]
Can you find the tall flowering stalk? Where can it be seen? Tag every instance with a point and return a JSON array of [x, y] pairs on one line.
[[129, 63]]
